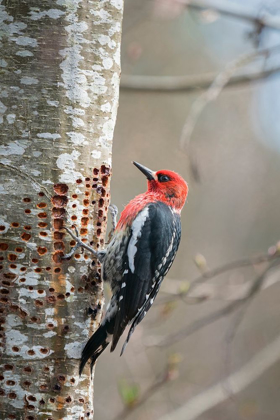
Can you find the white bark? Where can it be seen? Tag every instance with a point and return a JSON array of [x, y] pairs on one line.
[[59, 75]]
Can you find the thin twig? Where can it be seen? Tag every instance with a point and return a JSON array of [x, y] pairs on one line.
[[169, 374], [150, 391], [72, 252], [80, 243], [195, 326]]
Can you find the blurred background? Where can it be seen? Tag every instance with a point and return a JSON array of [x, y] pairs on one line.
[[231, 160]]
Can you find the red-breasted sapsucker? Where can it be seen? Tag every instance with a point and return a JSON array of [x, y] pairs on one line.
[[141, 252]]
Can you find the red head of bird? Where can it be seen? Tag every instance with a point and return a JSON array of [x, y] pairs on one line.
[[164, 185]]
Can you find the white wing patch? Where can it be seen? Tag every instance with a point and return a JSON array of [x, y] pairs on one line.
[[111, 310], [136, 234], [164, 259]]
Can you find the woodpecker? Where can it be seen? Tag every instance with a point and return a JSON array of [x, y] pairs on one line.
[[141, 252]]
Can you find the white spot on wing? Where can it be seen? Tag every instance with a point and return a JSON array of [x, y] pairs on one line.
[[137, 226], [164, 260], [111, 310]]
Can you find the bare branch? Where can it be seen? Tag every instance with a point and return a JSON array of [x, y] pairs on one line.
[[233, 11], [227, 292], [210, 318], [187, 84], [195, 326], [204, 81], [239, 380], [79, 244], [210, 274]]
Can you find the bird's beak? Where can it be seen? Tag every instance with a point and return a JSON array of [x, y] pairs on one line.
[[147, 172]]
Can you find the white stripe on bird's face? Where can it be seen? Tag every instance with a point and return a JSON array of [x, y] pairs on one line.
[[136, 228]]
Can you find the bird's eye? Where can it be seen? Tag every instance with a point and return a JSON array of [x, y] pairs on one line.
[[163, 178]]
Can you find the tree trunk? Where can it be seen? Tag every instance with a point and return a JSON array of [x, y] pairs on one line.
[[59, 75]]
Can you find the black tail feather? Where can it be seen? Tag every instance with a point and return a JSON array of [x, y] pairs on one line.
[[141, 314], [94, 347]]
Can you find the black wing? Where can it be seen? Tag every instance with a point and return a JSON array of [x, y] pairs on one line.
[[152, 246]]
